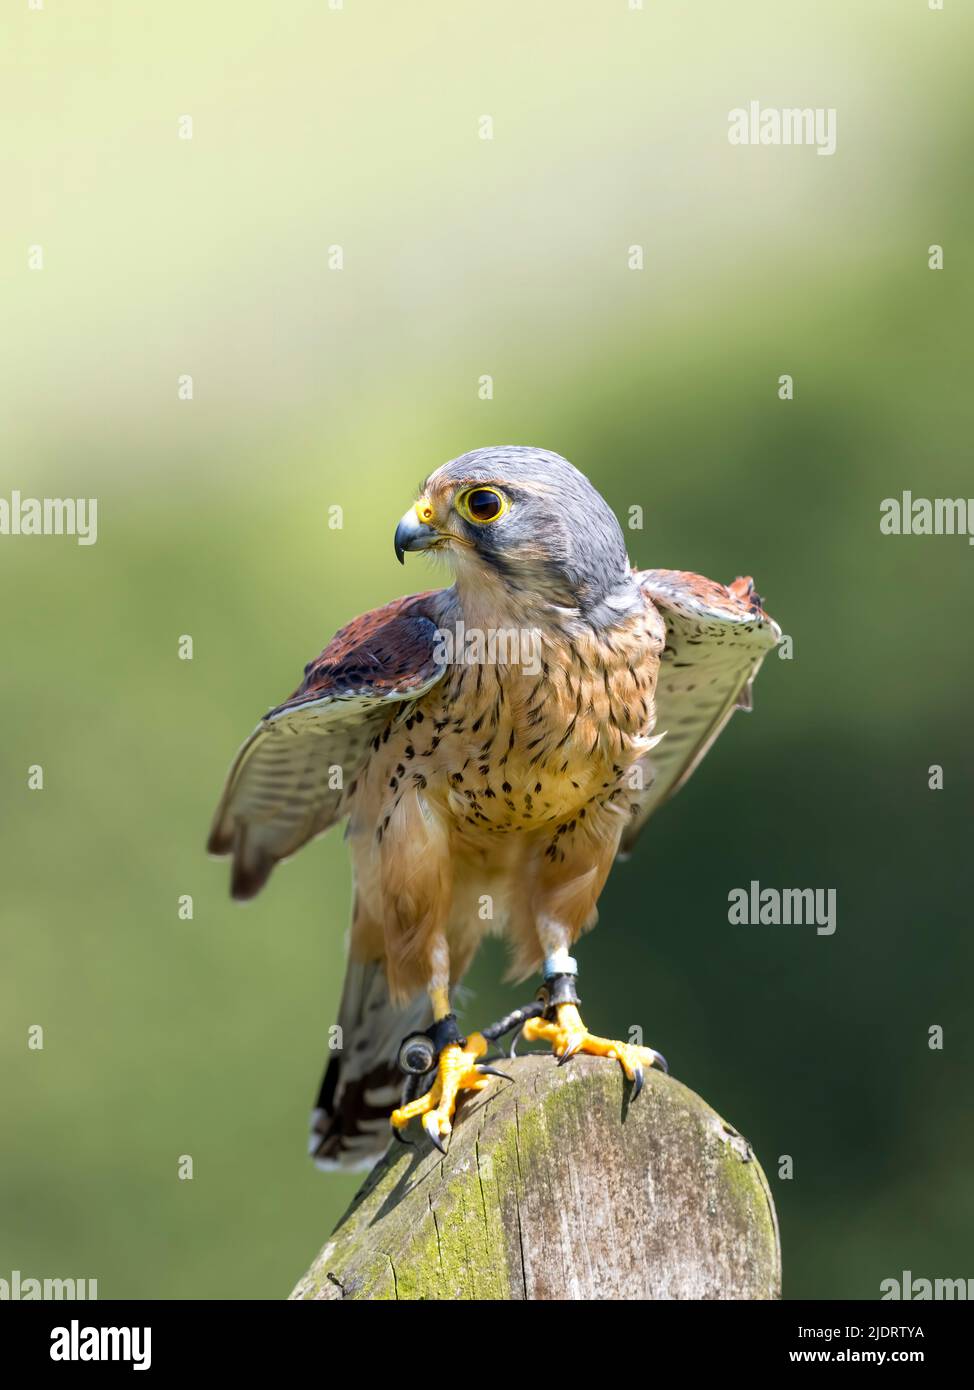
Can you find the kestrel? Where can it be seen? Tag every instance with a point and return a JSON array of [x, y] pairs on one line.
[[494, 745]]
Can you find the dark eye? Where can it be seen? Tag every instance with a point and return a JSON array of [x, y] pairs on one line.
[[483, 504]]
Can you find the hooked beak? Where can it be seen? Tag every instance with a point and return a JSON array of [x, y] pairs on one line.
[[413, 534]]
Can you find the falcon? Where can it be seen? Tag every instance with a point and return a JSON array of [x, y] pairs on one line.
[[489, 782]]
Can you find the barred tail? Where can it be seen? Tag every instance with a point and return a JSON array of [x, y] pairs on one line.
[[362, 1081]]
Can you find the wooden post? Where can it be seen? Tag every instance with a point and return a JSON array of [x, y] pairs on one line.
[[556, 1187]]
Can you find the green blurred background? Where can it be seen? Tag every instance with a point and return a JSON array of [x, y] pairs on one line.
[[314, 387]]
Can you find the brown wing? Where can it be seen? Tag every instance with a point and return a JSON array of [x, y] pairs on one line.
[[288, 782], [716, 639]]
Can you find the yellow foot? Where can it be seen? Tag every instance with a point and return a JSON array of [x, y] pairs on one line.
[[457, 1071], [569, 1035]]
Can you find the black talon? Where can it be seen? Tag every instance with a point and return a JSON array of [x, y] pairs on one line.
[[396, 1135], [492, 1071], [569, 1053], [512, 1053], [433, 1135], [637, 1082]]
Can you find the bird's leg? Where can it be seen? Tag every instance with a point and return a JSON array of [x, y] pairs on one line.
[[457, 1066], [562, 1026]]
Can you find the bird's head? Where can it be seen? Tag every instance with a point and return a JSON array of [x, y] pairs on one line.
[[524, 517]]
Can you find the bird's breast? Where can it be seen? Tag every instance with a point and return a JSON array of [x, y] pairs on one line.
[[511, 747]]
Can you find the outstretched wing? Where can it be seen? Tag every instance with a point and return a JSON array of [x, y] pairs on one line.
[[283, 787], [716, 639]]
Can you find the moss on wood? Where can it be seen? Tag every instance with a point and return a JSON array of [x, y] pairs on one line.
[[556, 1187]]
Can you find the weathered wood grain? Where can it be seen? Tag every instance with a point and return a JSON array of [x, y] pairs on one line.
[[555, 1187]]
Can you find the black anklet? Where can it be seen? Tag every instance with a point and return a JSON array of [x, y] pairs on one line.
[[557, 989]]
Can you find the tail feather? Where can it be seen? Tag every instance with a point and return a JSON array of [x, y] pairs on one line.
[[362, 1081]]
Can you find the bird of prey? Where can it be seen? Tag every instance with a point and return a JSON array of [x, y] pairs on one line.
[[498, 742]]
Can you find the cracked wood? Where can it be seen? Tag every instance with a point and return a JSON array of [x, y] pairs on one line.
[[556, 1188]]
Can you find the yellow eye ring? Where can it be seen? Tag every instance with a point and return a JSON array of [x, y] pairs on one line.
[[482, 505]]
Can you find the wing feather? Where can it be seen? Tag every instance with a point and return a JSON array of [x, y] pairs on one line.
[[716, 638], [282, 789]]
